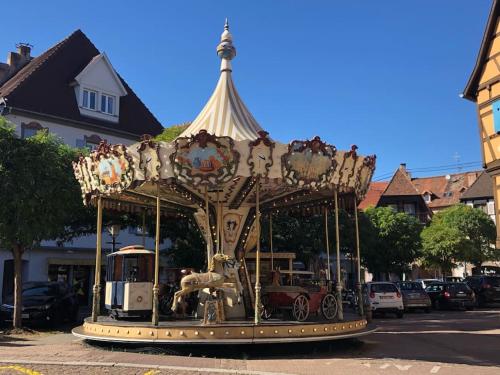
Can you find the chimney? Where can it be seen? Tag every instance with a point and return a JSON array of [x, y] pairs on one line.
[[402, 168], [15, 61]]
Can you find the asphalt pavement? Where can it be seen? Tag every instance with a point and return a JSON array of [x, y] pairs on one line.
[[444, 343]]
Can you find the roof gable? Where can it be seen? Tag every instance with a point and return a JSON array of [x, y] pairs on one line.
[[100, 74], [400, 185], [470, 90], [481, 188], [54, 71], [373, 194]]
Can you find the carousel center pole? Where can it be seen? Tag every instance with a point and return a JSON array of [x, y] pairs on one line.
[[96, 301], [156, 288], [358, 260], [257, 253], [327, 240], [337, 237], [208, 230]]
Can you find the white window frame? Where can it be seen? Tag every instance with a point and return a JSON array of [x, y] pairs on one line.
[[88, 100], [106, 109]]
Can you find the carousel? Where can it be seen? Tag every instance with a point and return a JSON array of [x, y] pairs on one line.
[[225, 173]]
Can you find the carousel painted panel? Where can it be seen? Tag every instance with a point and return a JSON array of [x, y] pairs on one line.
[[112, 168], [260, 159], [149, 159], [308, 164], [365, 175], [205, 158]]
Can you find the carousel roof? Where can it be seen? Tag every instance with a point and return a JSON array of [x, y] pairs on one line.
[[225, 114], [219, 158]]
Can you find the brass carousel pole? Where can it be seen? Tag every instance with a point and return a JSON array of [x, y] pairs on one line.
[[271, 239], [96, 301], [358, 260], [156, 288], [208, 236], [327, 240], [337, 237], [218, 223], [257, 252], [144, 228]]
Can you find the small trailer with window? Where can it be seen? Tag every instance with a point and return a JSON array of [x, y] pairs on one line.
[[129, 282]]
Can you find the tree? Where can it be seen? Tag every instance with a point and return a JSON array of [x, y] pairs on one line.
[[40, 197], [397, 242], [172, 132], [465, 234], [441, 246]]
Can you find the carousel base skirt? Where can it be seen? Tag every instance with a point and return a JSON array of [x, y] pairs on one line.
[[230, 332]]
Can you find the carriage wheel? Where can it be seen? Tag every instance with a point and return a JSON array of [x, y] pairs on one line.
[[266, 310], [329, 306], [300, 308]]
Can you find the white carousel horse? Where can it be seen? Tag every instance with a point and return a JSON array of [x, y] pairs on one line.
[[218, 275]]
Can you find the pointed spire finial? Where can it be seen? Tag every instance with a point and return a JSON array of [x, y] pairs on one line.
[[225, 49]]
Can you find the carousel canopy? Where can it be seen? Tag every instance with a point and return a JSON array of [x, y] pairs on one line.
[[219, 158]]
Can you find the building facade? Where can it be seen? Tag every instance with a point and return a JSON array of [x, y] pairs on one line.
[[72, 91], [483, 88]]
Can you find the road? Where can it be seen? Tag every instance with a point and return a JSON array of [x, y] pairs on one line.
[[443, 343]]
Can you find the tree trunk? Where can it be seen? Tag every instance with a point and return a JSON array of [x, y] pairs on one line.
[[17, 253]]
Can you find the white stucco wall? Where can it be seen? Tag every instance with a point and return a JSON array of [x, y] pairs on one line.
[[68, 134]]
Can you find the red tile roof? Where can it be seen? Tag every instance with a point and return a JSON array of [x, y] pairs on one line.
[[400, 184], [373, 195], [44, 86]]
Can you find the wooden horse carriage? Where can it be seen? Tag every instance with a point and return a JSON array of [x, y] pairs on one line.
[[300, 300]]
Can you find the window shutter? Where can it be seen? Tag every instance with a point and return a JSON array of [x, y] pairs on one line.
[[491, 208]]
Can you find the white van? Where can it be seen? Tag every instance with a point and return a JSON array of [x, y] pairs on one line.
[[383, 297]]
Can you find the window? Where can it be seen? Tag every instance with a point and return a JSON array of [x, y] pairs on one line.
[[409, 208], [496, 115], [427, 198], [108, 104], [29, 132], [89, 99], [394, 207]]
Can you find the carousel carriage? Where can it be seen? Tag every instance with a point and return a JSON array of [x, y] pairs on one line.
[[129, 282], [300, 300]]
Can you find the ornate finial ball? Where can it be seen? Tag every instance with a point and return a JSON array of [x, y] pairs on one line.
[[225, 49]]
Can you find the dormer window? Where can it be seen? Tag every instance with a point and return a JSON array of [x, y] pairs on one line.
[[89, 99], [427, 198], [98, 90], [108, 104]]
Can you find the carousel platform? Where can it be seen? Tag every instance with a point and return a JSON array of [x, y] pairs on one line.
[[231, 332]]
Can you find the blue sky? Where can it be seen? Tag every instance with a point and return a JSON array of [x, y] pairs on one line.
[[385, 75]]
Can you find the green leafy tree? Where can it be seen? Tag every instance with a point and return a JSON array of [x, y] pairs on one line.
[[172, 132], [397, 242], [441, 246], [464, 233], [40, 198]]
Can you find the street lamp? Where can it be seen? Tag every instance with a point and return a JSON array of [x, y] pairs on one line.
[[114, 231]]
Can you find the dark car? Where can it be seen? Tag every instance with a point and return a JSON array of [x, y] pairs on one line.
[[414, 295], [44, 302], [487, 288], [451, 295]]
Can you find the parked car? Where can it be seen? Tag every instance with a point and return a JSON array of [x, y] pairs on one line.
[[426, 282], [451, 295], [382, 297], [44, 302], [453, 279], [487, 288], [414, 296]]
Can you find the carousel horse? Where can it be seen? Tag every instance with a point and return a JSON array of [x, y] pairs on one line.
[[217, 276]]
